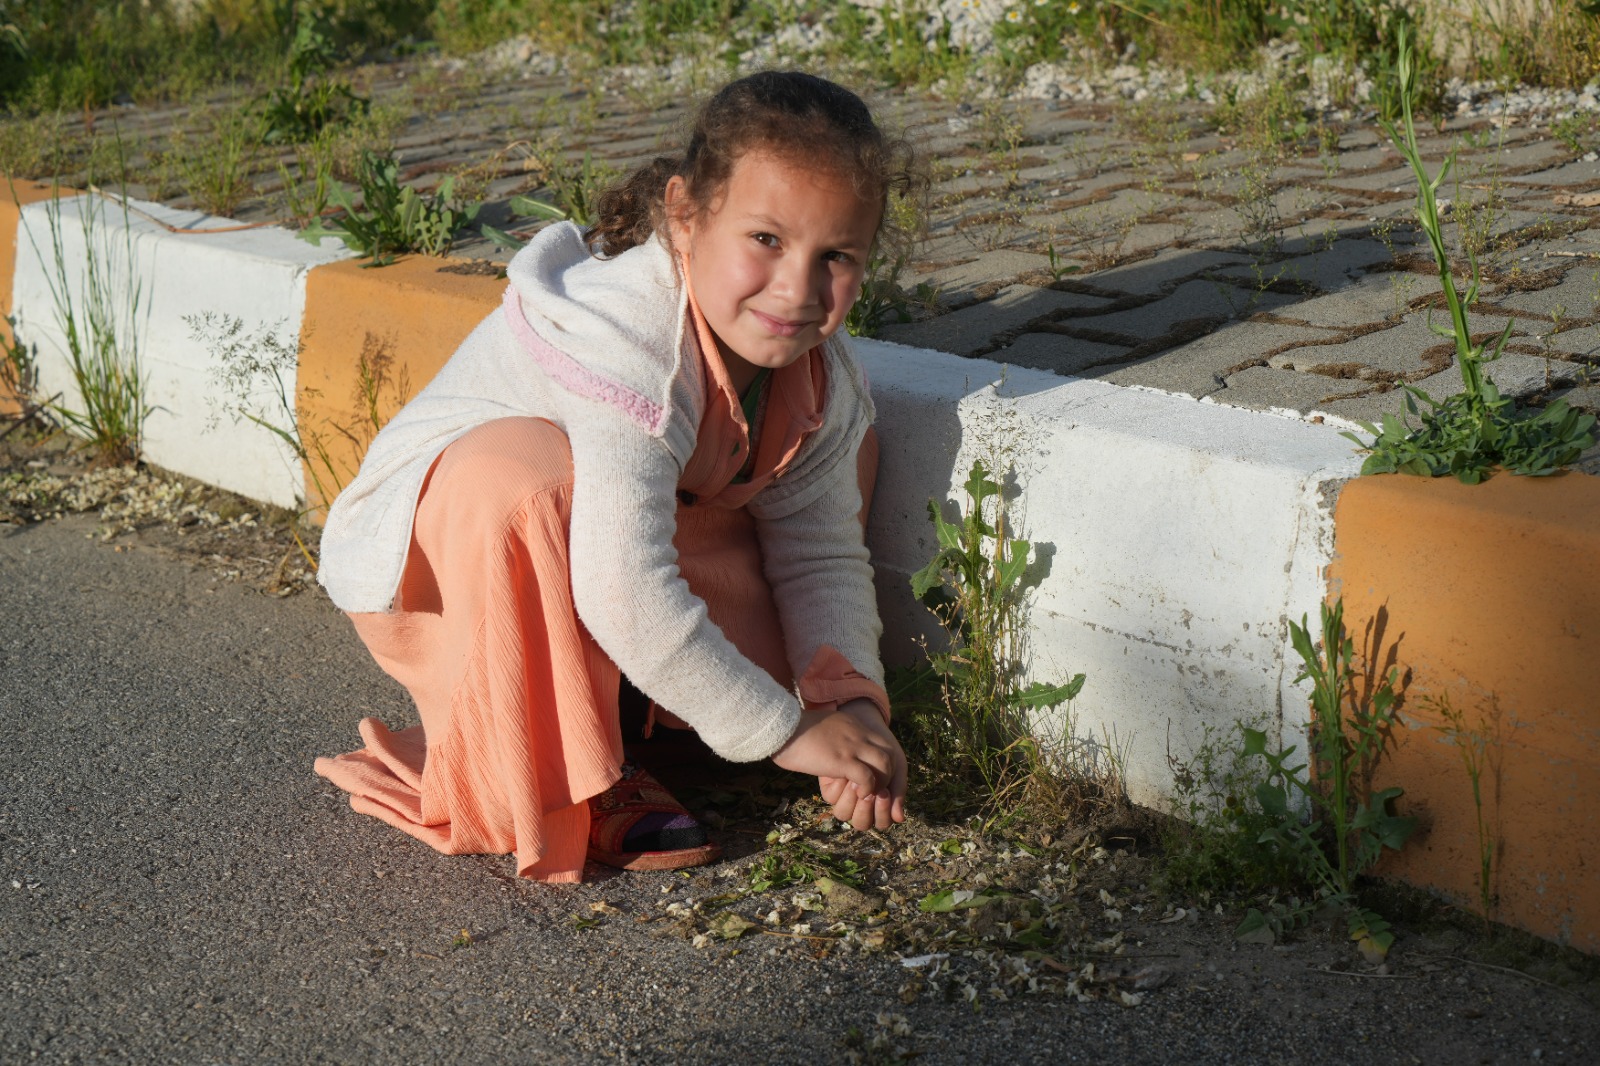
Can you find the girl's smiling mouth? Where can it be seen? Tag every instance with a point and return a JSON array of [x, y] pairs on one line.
[[781, 327]]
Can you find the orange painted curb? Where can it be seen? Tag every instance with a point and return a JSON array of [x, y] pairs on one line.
[[1488, 598], [370, 340], [14, 195]]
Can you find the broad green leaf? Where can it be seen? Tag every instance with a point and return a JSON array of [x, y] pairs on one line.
[[953, 899], [500, 238], [1040, 695], [528, 207], [1255, 929]]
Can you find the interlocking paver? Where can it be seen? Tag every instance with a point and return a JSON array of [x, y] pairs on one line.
[[974, 329], [1150, 217]]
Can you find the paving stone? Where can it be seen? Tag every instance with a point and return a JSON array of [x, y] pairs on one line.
[[1399, 349], [1332, 268], [1358, 301], [1586, 397], [1261, 388], [1514, 375], [960, 281], [1580, 175], [1189, 301], [1397, 179], [1577, 295], [1199, 367], [974, 328], [1059, 353], [1151, 275]]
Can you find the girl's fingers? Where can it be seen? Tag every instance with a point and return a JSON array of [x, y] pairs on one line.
[[863, 817]]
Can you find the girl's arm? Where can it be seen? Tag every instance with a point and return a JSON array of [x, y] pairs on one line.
[[628, 591]]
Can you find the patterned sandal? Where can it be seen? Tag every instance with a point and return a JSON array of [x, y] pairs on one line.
[[637, 825]]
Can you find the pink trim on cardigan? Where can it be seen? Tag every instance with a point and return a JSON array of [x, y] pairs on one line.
[[567, 372]]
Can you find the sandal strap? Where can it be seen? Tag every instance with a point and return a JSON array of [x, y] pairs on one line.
[[614, 812]]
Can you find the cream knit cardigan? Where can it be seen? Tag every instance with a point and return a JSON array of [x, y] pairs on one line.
[[604, 348]]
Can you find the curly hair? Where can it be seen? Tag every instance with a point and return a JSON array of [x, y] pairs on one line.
[[789, 113]]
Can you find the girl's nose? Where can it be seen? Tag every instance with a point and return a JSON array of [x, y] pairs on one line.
[[796, 280]]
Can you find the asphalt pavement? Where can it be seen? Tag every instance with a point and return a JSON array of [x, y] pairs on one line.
[[176, 885]]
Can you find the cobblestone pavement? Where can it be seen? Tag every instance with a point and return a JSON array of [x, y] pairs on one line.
[[1132, 243]]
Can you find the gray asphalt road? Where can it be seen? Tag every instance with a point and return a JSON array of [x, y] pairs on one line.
[[177, 886]]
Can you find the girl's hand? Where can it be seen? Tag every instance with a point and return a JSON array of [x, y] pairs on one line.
[[859, 765]]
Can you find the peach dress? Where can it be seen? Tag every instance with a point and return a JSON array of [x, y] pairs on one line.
[[518, 703]]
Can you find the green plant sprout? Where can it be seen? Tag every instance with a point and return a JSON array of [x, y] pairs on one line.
[[1476, 429], [1472, 744], [974, 586], [1346, 748], [393, 219], [100, 312]]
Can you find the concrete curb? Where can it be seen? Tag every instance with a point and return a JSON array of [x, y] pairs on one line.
[[1181, 537], [254, 276]]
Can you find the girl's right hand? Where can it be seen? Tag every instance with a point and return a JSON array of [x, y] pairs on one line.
[[854, 745]]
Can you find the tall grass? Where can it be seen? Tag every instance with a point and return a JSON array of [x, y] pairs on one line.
[[100, 309]]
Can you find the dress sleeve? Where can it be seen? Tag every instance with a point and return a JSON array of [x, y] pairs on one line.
[[821, 576], [629, 593]]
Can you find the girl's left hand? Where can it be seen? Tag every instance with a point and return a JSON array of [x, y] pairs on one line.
[[873, 810]]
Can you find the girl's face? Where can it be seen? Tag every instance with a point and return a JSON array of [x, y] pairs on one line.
[[775, 260]]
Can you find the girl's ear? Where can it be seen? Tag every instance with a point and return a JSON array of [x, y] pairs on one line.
[[680, 210]]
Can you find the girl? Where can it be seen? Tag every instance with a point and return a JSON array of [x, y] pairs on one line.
[[653, 461]]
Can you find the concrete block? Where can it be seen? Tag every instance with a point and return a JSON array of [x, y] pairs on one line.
[[1180, 538], [1509, 638], [387, 331], [257, 276]]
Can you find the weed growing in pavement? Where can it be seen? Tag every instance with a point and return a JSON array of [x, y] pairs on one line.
[[305, 198], [100, 311], [1349, 730], [297, 112], [393, 219], [575, 189], [1573, 130], [1212, 847], [984, 726], [1476, 429], [214, 168], [1473, 743]]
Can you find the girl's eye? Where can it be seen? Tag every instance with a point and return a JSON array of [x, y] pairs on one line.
[[840, 257], [766, 239]]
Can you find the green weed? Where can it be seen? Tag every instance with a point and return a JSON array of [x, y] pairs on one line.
[[251, 369], [214, 167], [100, 311], [311, 101], [393, 219], [19, 373], [1477, 429], [975, 587], [1349, 730], [1472, 743]]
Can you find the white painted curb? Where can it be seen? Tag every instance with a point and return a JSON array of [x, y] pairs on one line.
[[1182, 537], [257, 276]]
